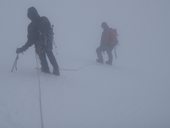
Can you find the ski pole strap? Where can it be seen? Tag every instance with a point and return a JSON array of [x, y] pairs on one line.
[[15, 64]]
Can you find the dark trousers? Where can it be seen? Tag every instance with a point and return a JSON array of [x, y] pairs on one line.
[[108, 50], [44, 63]]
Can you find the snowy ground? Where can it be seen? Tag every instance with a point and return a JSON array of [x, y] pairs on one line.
[[133, 93]]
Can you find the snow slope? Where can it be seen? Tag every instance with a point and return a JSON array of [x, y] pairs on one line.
[[133, 93]]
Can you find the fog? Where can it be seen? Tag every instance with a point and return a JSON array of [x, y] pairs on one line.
[[132, 93]]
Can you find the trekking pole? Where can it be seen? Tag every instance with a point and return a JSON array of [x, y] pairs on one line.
[[15, 63], [115, 53]]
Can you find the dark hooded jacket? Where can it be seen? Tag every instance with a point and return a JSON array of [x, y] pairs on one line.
[[39, 32]]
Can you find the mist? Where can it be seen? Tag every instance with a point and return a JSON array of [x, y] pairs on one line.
[[132, 93]]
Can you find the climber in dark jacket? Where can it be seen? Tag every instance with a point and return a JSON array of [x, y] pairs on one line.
[[40, 34]]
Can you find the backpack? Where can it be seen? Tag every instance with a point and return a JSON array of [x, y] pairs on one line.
[[46, 31], [113, 36]]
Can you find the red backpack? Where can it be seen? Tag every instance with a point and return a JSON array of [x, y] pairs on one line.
[[113, 36]]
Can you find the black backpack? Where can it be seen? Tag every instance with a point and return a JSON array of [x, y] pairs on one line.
[[46, 31]]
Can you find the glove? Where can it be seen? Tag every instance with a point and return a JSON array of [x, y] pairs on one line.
[[19, 50]]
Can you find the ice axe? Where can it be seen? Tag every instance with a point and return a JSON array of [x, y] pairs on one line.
[[15, 63]]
